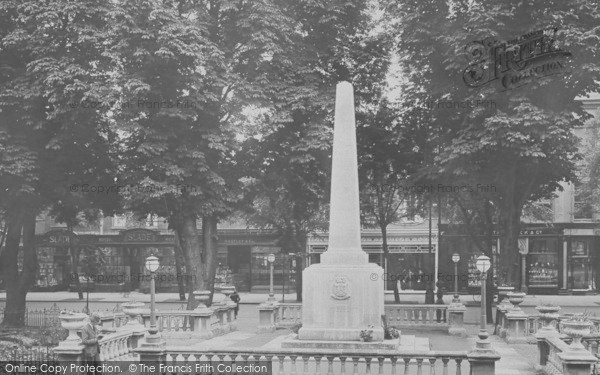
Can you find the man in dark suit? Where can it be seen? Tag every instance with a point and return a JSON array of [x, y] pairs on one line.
[[235, 297], [89, 337]]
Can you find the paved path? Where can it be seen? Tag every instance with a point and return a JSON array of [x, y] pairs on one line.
[[515, 359]]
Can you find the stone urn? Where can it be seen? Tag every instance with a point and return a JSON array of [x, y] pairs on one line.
[[133, 309], [503, 290], [202, 297], [576, 328], [228, 291], [516, 298], [548, 314], [72, 322]]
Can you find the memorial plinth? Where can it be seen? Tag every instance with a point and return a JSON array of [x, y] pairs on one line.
[[343, 295]]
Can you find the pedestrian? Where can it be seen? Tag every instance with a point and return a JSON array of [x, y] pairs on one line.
[[235, 297], [90, 337]]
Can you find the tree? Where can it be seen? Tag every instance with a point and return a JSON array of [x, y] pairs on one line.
[[386, 162], [287, 193], [51, 61], [523, 144], [214, 57], [289, 143]]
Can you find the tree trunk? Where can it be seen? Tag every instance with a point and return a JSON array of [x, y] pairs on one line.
[[2, 261], [179, 268], [211, 247], [74, 252], [299, 270], [300, 251], [18, 283], [510, 218], [389, 261], [185, 227]]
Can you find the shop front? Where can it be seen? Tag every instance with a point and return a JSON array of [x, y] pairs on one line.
[[116, 261], [581, 248], [54, 251], [541, 259], [555, 259], [242, 261], [243, 254], [411, 264]]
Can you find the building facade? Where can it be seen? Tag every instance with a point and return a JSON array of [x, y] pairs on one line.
[[559, 255], [123, 245], [412, 262]]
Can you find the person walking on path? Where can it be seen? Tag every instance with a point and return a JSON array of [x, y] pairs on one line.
[[235, 297], [90, 337]]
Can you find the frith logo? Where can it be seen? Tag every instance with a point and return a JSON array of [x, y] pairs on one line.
[[517, 62]]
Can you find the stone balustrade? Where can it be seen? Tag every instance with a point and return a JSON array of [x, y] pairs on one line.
[[116, 346], [202, 322], [289, 315], [128, 331], [557, 357], [417, 316], [435, 317], [314, 361]]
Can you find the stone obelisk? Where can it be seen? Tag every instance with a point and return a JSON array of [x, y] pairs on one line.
[[343, 294]]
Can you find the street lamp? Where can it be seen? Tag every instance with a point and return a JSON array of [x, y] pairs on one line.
[[456, 259], [152, 265], [483, 265], [271, 260]]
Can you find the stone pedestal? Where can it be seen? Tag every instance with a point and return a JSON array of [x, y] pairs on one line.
[[577, 362], [483, 357], [266, 317], [221, 309], [152, 352], [456, 313], [133, 310], [341, 302], [69, 352], [501, 322], [201, 322], [516, 327]]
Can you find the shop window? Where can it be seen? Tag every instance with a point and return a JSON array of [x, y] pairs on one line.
[[542, 263], [580, 270]]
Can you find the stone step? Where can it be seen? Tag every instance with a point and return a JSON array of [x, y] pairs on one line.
[[412, 343]]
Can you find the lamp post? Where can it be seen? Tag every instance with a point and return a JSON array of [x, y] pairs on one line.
[[271, 260], [455, 260], [483, 265], [152, 265]]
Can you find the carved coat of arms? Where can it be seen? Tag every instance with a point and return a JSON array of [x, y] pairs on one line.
[[340, 288]]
